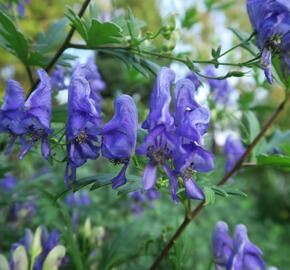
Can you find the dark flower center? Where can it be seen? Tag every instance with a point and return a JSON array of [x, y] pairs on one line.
[[158, 156], [118, 161], [82, 137], [189, 171], [36, 133]]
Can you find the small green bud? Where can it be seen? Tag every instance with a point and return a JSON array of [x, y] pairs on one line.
[[36, 246], [54, 258], [168, 46], [169, 22], [87, 229], [20, 258]]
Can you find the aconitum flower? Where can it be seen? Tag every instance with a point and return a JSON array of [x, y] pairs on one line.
[[233, 150], [38, 116], [245, 255], [12, 112], [271, 20], [176, 139], [57, 78], [41, 249], [90, 72], [30, 119], [191, 119], [220, 89], [158, 145], [119, 136], [238, 253], [191, 76], [82, 125], [80, 198], [8, 182], [222, 245]]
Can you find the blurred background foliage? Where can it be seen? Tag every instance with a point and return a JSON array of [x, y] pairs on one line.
[[121, 239]]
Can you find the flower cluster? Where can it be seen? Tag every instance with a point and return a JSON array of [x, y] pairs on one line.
[[37, 251], [237, 253], [29, 120], [175, 138], [271, 21]]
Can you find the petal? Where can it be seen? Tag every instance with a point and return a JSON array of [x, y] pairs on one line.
[[149, 176], [192, 190], [160, 100], [120, 179], [173, 182], [14, 96], [45, 147]]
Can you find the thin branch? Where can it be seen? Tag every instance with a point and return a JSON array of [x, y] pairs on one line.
[[29, 73], [64, 46], [235, 169], [140, 51]]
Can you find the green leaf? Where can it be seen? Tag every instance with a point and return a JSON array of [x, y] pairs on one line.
[[103, 33], [250, 126], [189, 17], [11, 39], [234, 192], [77, 23], [209, 196], [274, 160], [281, 76], [243, 36], [53, 38]]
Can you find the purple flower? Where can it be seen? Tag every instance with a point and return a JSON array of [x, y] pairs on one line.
[[191, 119], [158, 145], [57, 78], [8, 182], [119, 136], [81, 198], [82, 125], [220, 88], [12, 112], [30, 119], [271, 20], [160, 101], [192, 158], [222, 245], [233, 150], [20, 6], [245, 255], [38, 116], [177, 138], [90, 72], [191, 76]]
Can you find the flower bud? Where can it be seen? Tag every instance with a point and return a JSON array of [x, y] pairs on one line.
[[20, 259], [87, 229], [36, 247], [4, 265], [54, 258]]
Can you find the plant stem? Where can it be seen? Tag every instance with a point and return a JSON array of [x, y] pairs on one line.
[[64, 46], [236, 167], [140, 51], [29, 73]]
